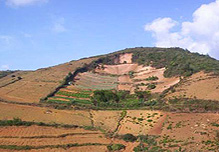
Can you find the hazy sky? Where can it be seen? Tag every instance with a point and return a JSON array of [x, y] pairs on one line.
[[41, 33]]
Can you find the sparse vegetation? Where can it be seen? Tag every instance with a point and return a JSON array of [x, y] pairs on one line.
[[19, 122], [176, 60], [115, 147]]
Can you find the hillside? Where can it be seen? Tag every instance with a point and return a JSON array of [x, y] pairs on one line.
[[34, 85], [139, 99], [142, 69]]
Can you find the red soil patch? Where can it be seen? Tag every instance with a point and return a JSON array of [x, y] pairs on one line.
[[117, 69], [125, 58]]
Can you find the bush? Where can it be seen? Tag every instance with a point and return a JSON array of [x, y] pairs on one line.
[[151, 86], [140, 148], [152, 78], [131, 74], [15, 122], [143, 94], [105, 96], [115, 147], [129, 138]]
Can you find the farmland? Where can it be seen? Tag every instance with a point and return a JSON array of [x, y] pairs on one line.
[[95, 81], [169, 131], [112, 105]]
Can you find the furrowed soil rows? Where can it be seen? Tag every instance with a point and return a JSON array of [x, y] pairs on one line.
[[31, 131], [46, 115]]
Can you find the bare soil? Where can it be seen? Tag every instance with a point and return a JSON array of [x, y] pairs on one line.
[[201, 86]]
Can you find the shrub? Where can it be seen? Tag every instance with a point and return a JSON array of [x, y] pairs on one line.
[[15, 122], [129, 138], [215, 124], [140, 148], [131, 74], [151, 86], [152, 78], [150, 140], [105, 96], [143, 94], [115, 147], [149, 120]]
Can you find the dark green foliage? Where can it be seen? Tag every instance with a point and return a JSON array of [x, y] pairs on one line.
[[124, 95], [176, 60], [5, 73], [148, 143], [215, 124], [151, 86], [15, 122], [19, 122], [149, 120], [89, 128], [66, 146], [129, 138], [151, 103], [70, 94], [150, 140], [131, 74], [107, 59], [15, 147], [140, 148], [152, 78], [105, 96], [71, 102], [145, 95], [169, 127], [115, 147], [122, 99]]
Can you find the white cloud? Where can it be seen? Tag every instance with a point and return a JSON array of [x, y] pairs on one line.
[[58, 26], [5, 67], [19, 3], [200, 35]]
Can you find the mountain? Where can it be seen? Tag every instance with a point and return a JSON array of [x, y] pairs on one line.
[[137, 99], [166, 72]]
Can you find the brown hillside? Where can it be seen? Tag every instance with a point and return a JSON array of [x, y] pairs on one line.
[[200, 86], [37, 84]]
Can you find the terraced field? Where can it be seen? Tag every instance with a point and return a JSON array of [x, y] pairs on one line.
[[40, 137], [73, 95], [93, 81]]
